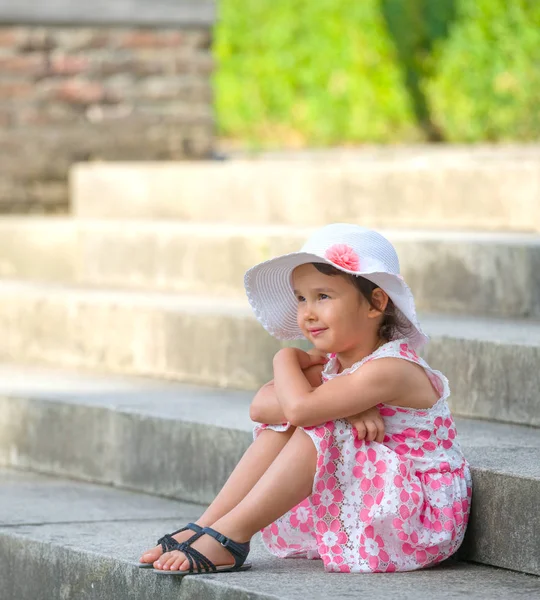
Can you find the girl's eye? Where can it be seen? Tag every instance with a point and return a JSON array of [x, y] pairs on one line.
[[324, 296], [300, 298]]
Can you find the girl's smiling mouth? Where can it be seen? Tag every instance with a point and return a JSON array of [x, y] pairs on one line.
[[317, 331]]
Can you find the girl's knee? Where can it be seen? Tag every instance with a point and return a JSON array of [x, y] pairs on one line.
[[304, 442]]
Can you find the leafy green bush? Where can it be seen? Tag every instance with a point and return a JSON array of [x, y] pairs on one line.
[[337, 71], [486, 82], [321, 71]]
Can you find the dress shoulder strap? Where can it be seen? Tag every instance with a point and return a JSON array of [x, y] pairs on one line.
[[401, 349]]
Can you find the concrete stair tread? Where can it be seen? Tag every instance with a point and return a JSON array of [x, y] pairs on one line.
[[166, 334], [91, 536], [138, 395], [198, 404], [488, 329], [496, 446], [46, 224], [496, 329], [431, 191], [412, 153], [492, 363], [134, 298], [450, 272]]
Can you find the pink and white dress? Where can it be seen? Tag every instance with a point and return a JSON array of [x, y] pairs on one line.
[[397, 506]]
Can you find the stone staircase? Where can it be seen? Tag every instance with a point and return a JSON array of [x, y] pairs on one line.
[[129, 358]]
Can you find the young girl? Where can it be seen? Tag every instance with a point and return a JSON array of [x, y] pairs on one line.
[[356, 460]]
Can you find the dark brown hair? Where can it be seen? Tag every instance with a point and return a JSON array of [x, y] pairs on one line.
[[393, 324]]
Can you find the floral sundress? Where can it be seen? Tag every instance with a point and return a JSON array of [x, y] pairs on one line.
[[399, 505]]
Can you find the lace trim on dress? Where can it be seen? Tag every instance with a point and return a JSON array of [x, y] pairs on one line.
[[395, 349]]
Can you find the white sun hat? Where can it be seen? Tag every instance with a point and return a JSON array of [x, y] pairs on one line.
[[349, 248]]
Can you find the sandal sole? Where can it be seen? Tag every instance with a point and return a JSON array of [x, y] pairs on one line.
[[244, 567]]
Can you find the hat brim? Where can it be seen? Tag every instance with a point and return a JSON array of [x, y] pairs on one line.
[[270, 293]]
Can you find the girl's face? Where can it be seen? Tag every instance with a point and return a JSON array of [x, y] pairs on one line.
[[332, 313]]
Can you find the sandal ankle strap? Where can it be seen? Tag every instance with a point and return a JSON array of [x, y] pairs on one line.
[[193, 526], [239, 550]]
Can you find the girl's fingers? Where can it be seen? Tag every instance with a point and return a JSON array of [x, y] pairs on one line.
[[371, 431], [380, 432], [361, 429], [316, 357]]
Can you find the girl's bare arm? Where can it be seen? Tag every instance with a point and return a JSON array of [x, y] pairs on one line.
[[381, 381], [265, 407]]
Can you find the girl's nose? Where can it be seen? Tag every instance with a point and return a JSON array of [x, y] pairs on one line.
[[309, 313]]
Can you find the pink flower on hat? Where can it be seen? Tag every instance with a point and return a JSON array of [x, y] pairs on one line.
[[343, 256]]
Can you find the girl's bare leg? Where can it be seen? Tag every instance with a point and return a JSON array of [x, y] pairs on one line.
[[285, 483], [256, 460]]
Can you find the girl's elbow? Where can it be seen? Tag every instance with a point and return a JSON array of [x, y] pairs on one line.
[[255, 413], [258, 402]]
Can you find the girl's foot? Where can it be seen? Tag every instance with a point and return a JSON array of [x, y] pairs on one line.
[[152, 555], [206, 545]]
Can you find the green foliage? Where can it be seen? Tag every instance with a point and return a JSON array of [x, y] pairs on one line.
[[415, 26], [320, 70], [337, 71], [486, 84]]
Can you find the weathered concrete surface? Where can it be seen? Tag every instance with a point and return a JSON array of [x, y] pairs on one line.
[[428, 192], [504, 527], [459, 272], [94, 560], [161, 455], [183, 442], [38, 248], [472, 273], [492, 364], [400, 153], [165, 335], [157, 437], [32, 500]]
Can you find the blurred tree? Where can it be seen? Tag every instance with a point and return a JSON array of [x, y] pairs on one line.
[[415, 26], [334, 71], [485, 83]]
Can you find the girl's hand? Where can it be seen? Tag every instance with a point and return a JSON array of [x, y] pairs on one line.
[[369, 425], [316, 357]]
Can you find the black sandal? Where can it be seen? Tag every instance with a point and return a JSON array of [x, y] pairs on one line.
[[168, 543], [238, 550]]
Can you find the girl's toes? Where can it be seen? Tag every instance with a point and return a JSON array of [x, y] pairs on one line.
[[149, 557], [158, 564], [173, 557], [185, 565], [176, 564]]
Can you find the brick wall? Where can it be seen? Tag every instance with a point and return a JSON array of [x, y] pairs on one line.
[[70, 93]]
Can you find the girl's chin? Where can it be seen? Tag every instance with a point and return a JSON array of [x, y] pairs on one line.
[[322, 346]]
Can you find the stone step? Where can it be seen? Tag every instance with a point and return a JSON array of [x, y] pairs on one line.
[[492, 363], [75, 540], [189, 338], [459, 272], [461, 190], [182, 442]]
